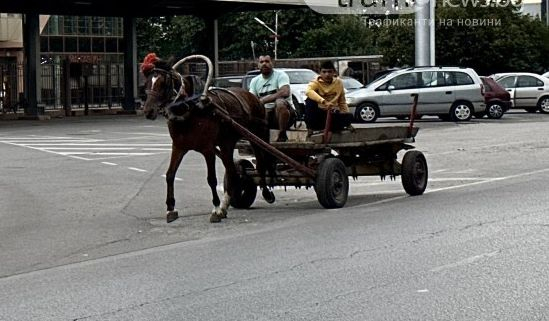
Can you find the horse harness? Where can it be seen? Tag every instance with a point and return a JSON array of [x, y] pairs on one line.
[[182, 110], [172, 77]]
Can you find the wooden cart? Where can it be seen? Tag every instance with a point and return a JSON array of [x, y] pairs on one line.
[[326, 166]]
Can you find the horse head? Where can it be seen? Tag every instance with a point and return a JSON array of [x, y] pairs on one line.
[[163, 85]]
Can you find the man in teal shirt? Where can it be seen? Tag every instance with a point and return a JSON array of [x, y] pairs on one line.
[[273, 89]]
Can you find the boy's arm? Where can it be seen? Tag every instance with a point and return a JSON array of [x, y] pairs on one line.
[[312, 94], [341, 101]]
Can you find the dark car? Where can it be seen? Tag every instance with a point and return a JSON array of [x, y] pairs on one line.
[[233, 81], [497, 99]]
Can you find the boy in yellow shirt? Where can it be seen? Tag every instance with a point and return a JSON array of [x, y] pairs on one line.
[[326, 94]]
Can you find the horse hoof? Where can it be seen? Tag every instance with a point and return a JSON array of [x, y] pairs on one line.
[[214, 218], [223, 213], [171, 216], [268, 196]]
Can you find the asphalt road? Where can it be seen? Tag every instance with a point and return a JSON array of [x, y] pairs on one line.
[[83, 233]]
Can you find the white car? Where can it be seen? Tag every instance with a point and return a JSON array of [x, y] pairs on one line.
[[528, 91], [299, 79], [546, 75]]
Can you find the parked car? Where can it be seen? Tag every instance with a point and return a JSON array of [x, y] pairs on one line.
[[383, 73], [228, 81], [546, 75], [528, 90], [299, 79], [497, 99], [233, 81], [452, 93], [351, 84]]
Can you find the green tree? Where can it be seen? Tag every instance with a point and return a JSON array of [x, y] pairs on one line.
[[176, 36], [506, 40], [240, 29], [344, 35]]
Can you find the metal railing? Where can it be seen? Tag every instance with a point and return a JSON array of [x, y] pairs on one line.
[[64, 84]]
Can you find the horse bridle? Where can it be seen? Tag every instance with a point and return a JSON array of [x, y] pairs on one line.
[[169, 91]]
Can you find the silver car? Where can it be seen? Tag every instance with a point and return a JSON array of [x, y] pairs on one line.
[[452, 93], [528, 91]]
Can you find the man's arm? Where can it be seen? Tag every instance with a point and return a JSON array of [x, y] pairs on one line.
[[252, 88], [282, 92]]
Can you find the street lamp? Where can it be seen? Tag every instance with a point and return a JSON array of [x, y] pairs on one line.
[[275, 32]]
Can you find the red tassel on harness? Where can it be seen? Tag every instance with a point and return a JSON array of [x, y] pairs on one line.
[[148, 62]]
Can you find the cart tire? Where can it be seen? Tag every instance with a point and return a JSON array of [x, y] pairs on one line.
[[332, 183], [246, 191], [414, 172]]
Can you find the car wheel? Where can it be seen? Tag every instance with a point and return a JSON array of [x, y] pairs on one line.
[[543, 104], [494, 110], [461, 111], [366, 113]]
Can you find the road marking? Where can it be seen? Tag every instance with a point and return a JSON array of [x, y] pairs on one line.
[[109, 163], [86, 149], [91, 148], [137, 169], [465, 261], [489, 180], [177, 178], [82, 143]]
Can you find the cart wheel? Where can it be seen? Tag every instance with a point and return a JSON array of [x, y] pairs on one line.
[[245, 190], [414, 172], [332, 183]]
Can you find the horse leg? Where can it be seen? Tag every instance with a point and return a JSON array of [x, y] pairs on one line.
[[175, 161], [217, 212], [226, 155]]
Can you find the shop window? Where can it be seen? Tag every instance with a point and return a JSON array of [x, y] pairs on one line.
[[84, 44]]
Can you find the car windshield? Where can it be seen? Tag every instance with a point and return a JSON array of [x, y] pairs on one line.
[[300, 76], [228, 82], [351, 83]]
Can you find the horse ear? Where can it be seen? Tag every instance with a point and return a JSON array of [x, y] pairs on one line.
[[171, 61]]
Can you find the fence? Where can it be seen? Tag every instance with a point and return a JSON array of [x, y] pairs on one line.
[[85, 85], [65, 84]]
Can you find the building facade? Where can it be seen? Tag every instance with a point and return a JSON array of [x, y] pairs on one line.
[[81, 61]]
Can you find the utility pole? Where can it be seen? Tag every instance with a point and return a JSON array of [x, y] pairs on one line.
[[274, 32]]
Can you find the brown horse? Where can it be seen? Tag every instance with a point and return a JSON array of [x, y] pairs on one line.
[[195, 126]]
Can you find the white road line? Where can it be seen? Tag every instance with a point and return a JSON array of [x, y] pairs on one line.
[[51, 141], [441, 179], [177, 178], [90, 148], [95, 144], [465, 261], [454, 187], [49, 151], [137, 169], [101, 154], [109, 163]]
